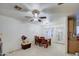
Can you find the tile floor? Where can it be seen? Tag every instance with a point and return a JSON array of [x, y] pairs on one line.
[[53, 50]]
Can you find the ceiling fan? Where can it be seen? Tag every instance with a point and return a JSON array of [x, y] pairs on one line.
[[35, 14]]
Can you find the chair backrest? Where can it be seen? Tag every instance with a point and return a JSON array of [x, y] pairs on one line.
[[42, 37]]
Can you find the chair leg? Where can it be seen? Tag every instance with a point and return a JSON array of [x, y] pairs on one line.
[[40, 44], [45, 45]]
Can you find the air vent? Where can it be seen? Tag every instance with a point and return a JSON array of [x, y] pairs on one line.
[[17, 7]]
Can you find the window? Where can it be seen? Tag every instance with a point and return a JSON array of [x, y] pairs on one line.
[[77, 30]]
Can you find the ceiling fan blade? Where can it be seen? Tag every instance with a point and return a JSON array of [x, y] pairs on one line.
[[43, 17], [39, 20]]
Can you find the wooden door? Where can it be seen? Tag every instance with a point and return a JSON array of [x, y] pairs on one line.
[[71, 32]]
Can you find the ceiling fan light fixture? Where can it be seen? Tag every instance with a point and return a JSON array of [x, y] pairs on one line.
[[36, 15], [35, 19], [35, 11]]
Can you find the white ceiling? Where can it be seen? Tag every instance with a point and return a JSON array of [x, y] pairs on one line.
[[51, 10]]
